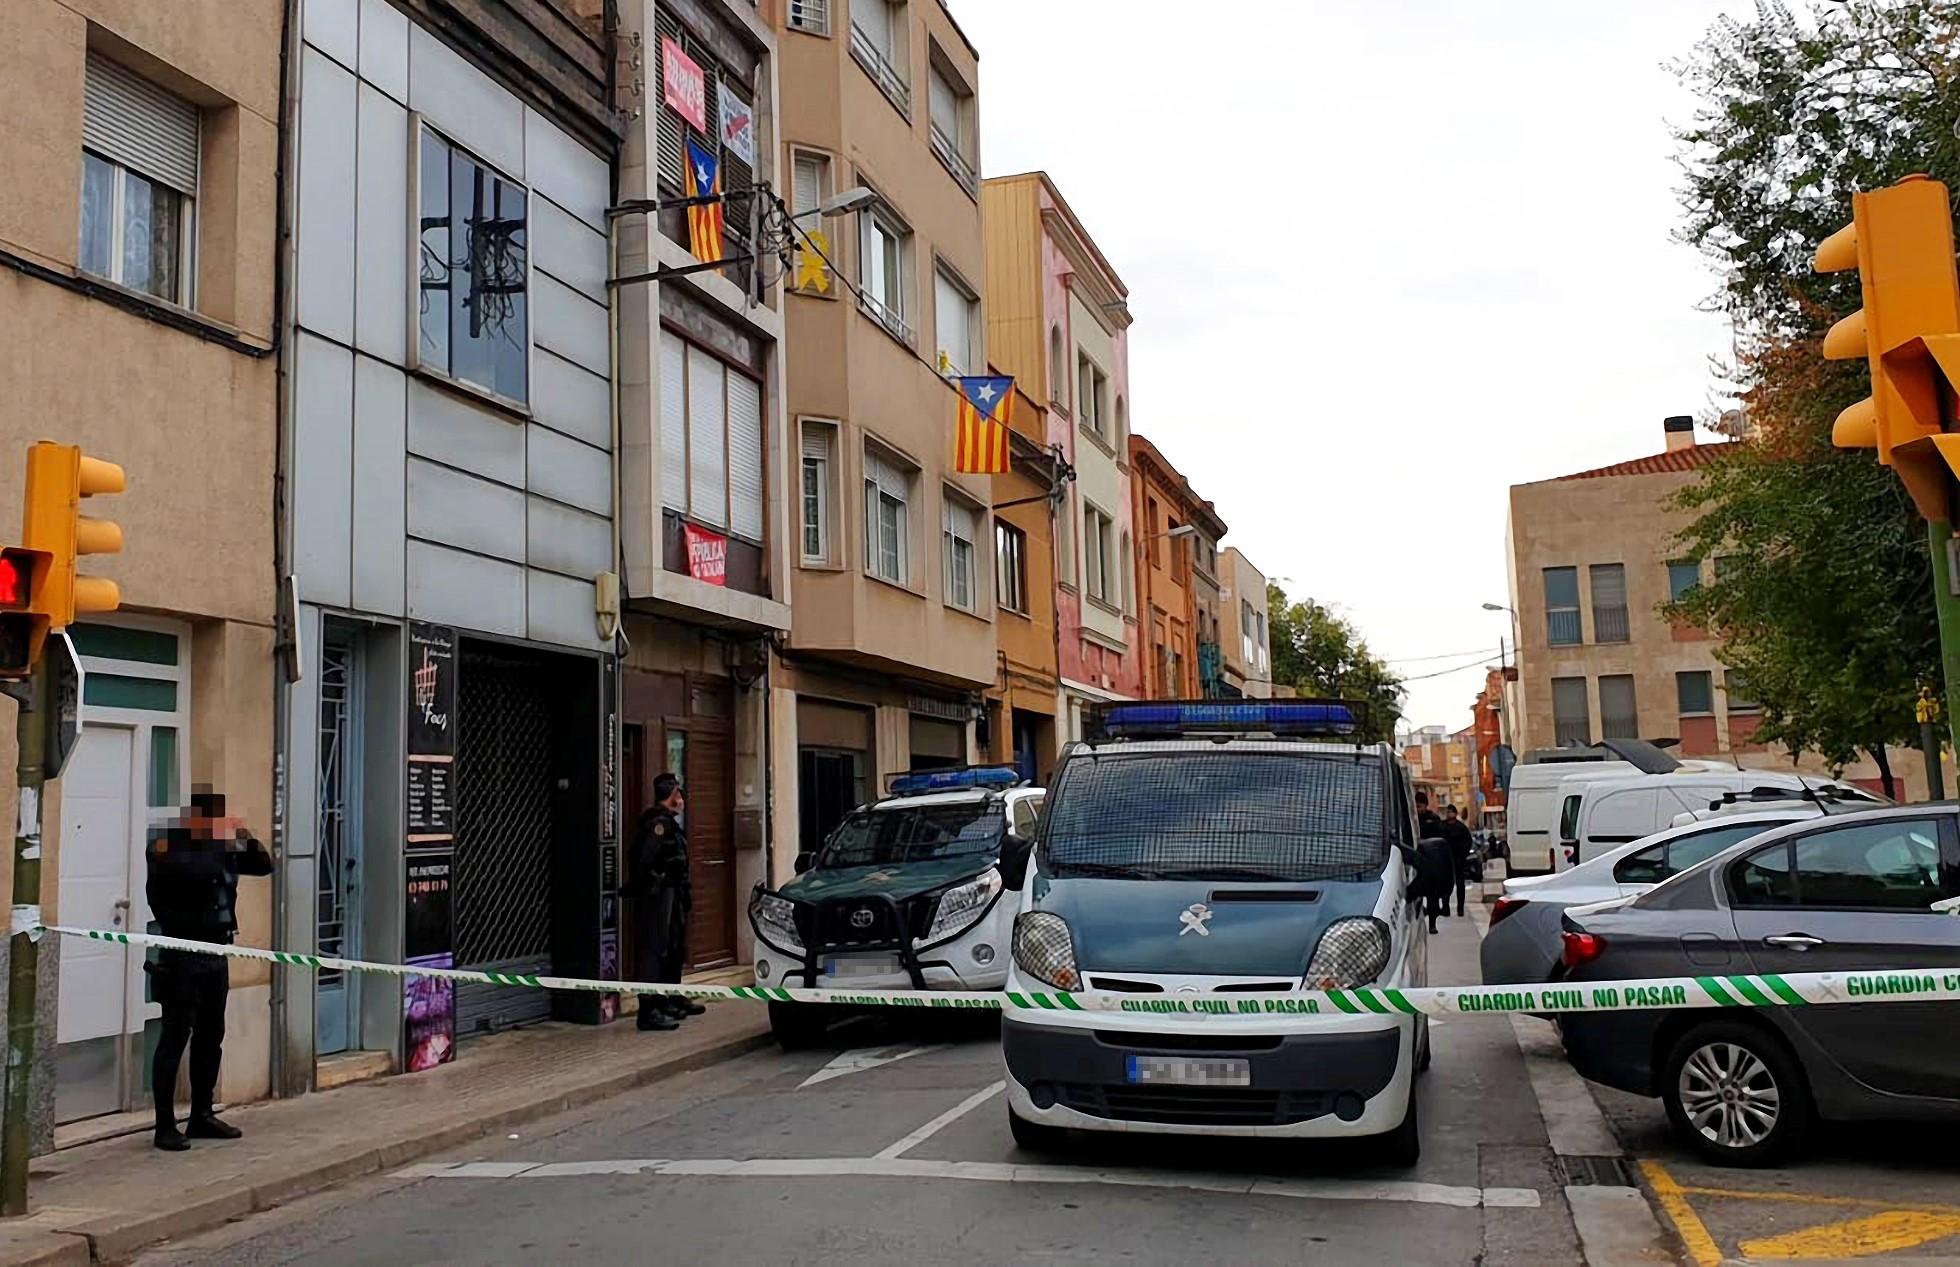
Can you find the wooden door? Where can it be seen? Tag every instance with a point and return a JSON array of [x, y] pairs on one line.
[[710, 780]]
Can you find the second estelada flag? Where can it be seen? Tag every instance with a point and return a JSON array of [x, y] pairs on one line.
[[704, 220], [980, 439]]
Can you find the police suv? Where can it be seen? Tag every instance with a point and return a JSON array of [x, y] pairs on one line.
[[1194, 851], [906, 894]]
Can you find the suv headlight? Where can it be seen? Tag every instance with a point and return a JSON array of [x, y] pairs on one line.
[[961, 907], [1044, 950], [1352, 952], [774, 921]]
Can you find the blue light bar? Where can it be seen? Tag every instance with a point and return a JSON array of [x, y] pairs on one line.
[[955, 780], [1278, 717]]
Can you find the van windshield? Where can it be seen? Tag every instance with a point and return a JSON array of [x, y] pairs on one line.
[[1216, 815], [920, 833]]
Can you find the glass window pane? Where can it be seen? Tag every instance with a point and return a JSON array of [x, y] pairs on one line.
[[472, 208], [1696, 692], [1561, 587], [1683, 575], [435, 262], [1763, 878], [98, 216], [508, 277], [114, 690], [163, 767], [1619, 718], [1686, 851], [1571, 719], [1890, 864], [812, 508], [1649, 866], [136, 240], [1740, 699]]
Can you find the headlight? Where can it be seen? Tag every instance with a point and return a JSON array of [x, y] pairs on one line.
[[774, 921], [1044, 950], [1352, 952], [960, 908]]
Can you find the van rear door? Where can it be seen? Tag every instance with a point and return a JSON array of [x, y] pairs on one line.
[[1618, 816]]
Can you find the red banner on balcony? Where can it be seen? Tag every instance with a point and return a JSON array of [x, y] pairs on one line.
[[707, 555], [686, 85]]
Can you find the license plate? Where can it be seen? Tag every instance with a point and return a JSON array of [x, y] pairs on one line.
[[860, 966], [1178, 1071]]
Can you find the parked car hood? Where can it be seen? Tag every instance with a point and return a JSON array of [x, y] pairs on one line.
[[897, 882]]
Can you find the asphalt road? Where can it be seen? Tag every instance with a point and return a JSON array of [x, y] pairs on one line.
[[892, 1147]]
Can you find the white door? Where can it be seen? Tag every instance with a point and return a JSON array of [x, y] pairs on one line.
[[95, 882]]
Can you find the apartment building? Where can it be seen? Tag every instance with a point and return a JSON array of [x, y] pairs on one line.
[[709, 468], [1593, 557], [137, 303], [450, 533], [1177, 578], [1019, 724], [1244, 638], [894, 637], [1058, 320]]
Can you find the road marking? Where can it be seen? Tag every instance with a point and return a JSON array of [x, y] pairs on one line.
[[1693, 1232], [1857, 1238], [1812, 1198], [944, 1120], [991, 1172], [862, 1059]]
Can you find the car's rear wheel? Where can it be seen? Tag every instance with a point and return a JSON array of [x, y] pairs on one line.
[[1735, 1094], [798, 1026], [1034, 1137]]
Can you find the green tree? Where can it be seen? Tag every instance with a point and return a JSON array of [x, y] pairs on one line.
[[1824, 602], [1319, 653]]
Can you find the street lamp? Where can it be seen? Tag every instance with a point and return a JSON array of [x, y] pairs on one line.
[[856, 198]]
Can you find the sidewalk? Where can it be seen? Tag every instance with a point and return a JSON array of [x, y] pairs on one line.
[[102, 1202]]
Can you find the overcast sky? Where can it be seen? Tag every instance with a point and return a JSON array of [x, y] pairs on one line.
[[1386, 258]]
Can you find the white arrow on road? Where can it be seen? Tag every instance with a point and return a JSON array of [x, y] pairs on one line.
[[863, 1058]]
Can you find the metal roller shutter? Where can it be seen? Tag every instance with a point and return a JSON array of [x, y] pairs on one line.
[[132, 121], [673, 423], [745, 457], [707, 439]]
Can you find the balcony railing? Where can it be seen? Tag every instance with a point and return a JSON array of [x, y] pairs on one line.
[[947, 151], [1562, 627], [1610, 624], [886, 316], [882, 72]]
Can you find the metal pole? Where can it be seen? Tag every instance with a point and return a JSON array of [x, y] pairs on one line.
[[1939, 537], [23, 947]]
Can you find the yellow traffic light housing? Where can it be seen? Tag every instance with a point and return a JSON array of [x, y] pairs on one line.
[[58, 477], [1901, 242]]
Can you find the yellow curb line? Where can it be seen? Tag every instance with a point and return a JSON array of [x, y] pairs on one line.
[[1805, 1198], [1857, 1238], [1688, 1226]]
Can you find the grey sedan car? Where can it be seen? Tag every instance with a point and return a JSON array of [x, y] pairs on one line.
[[1853, 892]]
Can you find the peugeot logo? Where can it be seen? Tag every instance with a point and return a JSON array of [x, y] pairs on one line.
[[862, 917]]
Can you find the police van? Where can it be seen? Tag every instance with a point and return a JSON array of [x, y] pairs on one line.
[[1193, 851], [914, 892]]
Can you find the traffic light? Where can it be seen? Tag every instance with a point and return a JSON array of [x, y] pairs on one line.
[[23, 630], [58, 477], [1901, 242]]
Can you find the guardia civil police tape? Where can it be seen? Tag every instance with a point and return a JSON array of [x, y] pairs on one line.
[[1768, 989]]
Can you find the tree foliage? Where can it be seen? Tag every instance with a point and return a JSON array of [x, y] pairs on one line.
[[1825, 600], [1317, 652]]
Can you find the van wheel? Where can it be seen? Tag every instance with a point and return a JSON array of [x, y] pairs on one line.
[[1034, 1137], [798, 1026], [1402, 1147], [1426, 1046], [1735, 1094]]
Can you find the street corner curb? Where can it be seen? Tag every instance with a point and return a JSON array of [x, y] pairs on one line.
[[113, 1238], [39, 1247]]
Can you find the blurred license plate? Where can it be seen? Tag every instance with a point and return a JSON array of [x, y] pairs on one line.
[[1178, 1071], [861, 966]]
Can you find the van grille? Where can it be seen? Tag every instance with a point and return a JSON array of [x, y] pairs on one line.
[[1193, 1106]]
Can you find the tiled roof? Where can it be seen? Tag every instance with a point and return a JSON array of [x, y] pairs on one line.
[[1687, 459]]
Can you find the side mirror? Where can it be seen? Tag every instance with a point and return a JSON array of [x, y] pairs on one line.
[[1015, 851], [804, 861]]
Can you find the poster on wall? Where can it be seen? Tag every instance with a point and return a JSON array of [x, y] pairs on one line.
[[428, 1003], [609, 749], [707, 554], [431, 789]]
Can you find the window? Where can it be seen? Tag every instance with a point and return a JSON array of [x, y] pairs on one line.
[[1127, 561], [818, 443], [880, 39], [1652, 865], [1889, 865], [1725, 565], [1027, 817], [1010, 567], [809, 181], [711, 467], [474, 327], [671, 133], [1098, 557], [881, 269], [1736, 687], [887, 496], [1180, 549], [1562, 607], [812, 16], [1092, 388], [959, 529], [1683, 576], [139, 183], [1264, 664], [1057, 370], [1571, 722], [1695, 692], [956, 318], [1618, 717], [1568, 817], [950, 105], [1248, 633], [1065, 541], [1609, 603]]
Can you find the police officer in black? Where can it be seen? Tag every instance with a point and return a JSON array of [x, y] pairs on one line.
[[192, 866], [665, 896], [1462, 850]]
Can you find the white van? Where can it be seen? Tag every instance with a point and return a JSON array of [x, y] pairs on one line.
[[1532, 804], [1597, 815]]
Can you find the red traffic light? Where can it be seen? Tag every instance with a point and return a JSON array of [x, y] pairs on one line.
[[16, 579]]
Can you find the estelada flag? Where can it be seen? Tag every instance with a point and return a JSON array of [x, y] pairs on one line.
[[704, 220], [980, 439]]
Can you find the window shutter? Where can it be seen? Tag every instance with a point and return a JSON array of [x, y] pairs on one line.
[[132, 121], [943, 106], [874, 18], [707, 439], [959, 521], [806, 191], [746, 513], [816, 441], [673, 423], [667, 139], [735, 174]]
